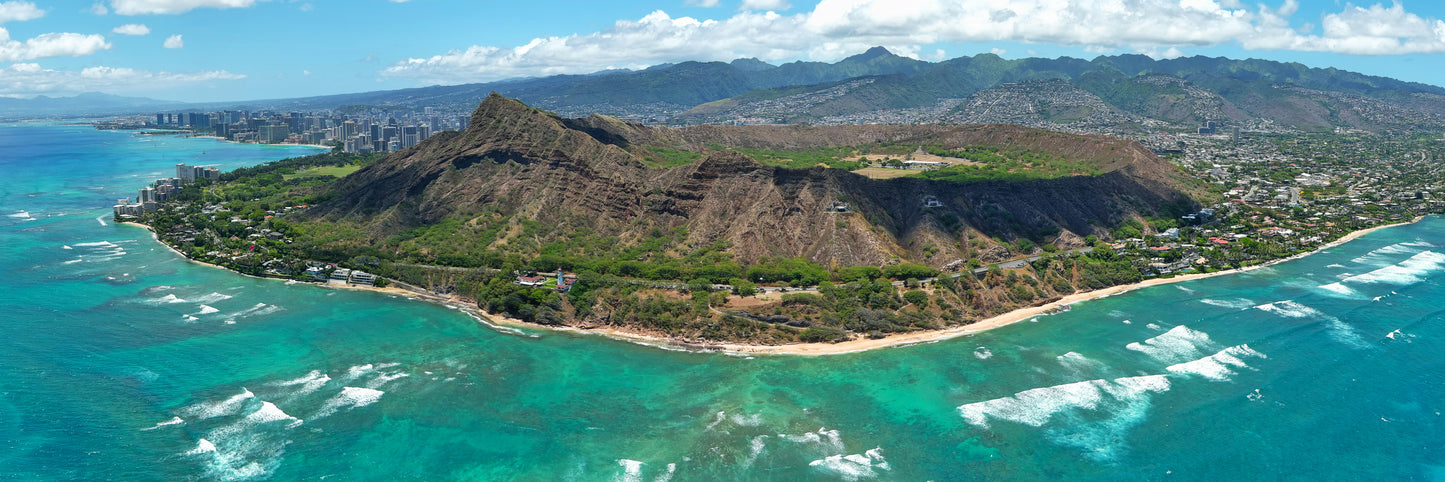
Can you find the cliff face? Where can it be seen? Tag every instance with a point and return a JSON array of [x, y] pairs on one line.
[[571, 176]]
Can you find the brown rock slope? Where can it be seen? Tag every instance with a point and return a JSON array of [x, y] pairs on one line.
[[582, 174]]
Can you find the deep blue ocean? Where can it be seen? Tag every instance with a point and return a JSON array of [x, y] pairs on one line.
[[120, 360]]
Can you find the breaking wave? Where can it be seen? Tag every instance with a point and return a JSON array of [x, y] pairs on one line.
[[1176, 345]]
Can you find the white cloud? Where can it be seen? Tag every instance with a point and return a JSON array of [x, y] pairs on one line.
[[49, 45], [98, 9], [132, 29], [19, 12], [764, 5], [838, 28], [701, 3], [141, 7], [174, 42], [28, 79]]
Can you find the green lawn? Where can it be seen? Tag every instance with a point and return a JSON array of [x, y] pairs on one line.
[[340, 171]]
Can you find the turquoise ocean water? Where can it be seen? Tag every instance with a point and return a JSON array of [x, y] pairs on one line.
[[120, 360]]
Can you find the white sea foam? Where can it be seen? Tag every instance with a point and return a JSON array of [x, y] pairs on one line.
[[1102, 440], [307, 384], [66, 247], [202, 447], [207, 309], [73, 261], [1339, 330], [1154, 326], [1339, 290], [982, 353], [1338, 266], [750, 420], [101, 219], [1236, 303], [357, 371], [170, 298], [212, 298], [1037, 406], [829, 441], [1219, 366], [1290, 309], [268, 413], [228, 406], [19, 215], [349, 398], [190, 318], [1080, 365], [1183, 288], [382, 379], [631, 470], [172, 421], [260, 309], [855, 466], [1379, 255], [107, 244], [1176, 345], [755, 449], [1407, 272]]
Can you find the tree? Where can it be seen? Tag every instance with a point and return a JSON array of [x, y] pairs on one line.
[[916, 297], [742, 287]]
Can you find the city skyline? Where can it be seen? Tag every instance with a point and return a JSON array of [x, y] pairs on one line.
[[235, 50]]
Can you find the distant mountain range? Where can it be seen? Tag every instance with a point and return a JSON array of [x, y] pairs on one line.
[[1108, 93], [87, 104]]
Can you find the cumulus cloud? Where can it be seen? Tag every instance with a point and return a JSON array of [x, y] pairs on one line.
[[142, 7], [701, 3], [837, 28], [28, 79], [132, 29], [49, 45], [19, 12], [174, 42]]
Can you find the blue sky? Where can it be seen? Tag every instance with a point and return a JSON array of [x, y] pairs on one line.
[[217, 50]]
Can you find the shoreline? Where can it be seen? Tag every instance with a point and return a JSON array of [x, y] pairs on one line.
[[509, 325]]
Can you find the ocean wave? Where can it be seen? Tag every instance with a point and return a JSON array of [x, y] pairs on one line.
[[1080, 365], [1290, 309], [631, 470], [349, 398], [205, 410], [982, 353], [1037, 406], [96, 244], [1337, 329], [1103, 440], [261, 309], [855, 466], [207, 309], [1407, 272], [307, 384], [1219, 366], [1341, 291], [212, 298], [167, 299], [383, 378], [827, 441], [269, 412], [167, 423], [1176, 345], [202, 447], [1376, 256]]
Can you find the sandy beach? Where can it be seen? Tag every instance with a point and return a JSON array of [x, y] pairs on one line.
[[509, 325]]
